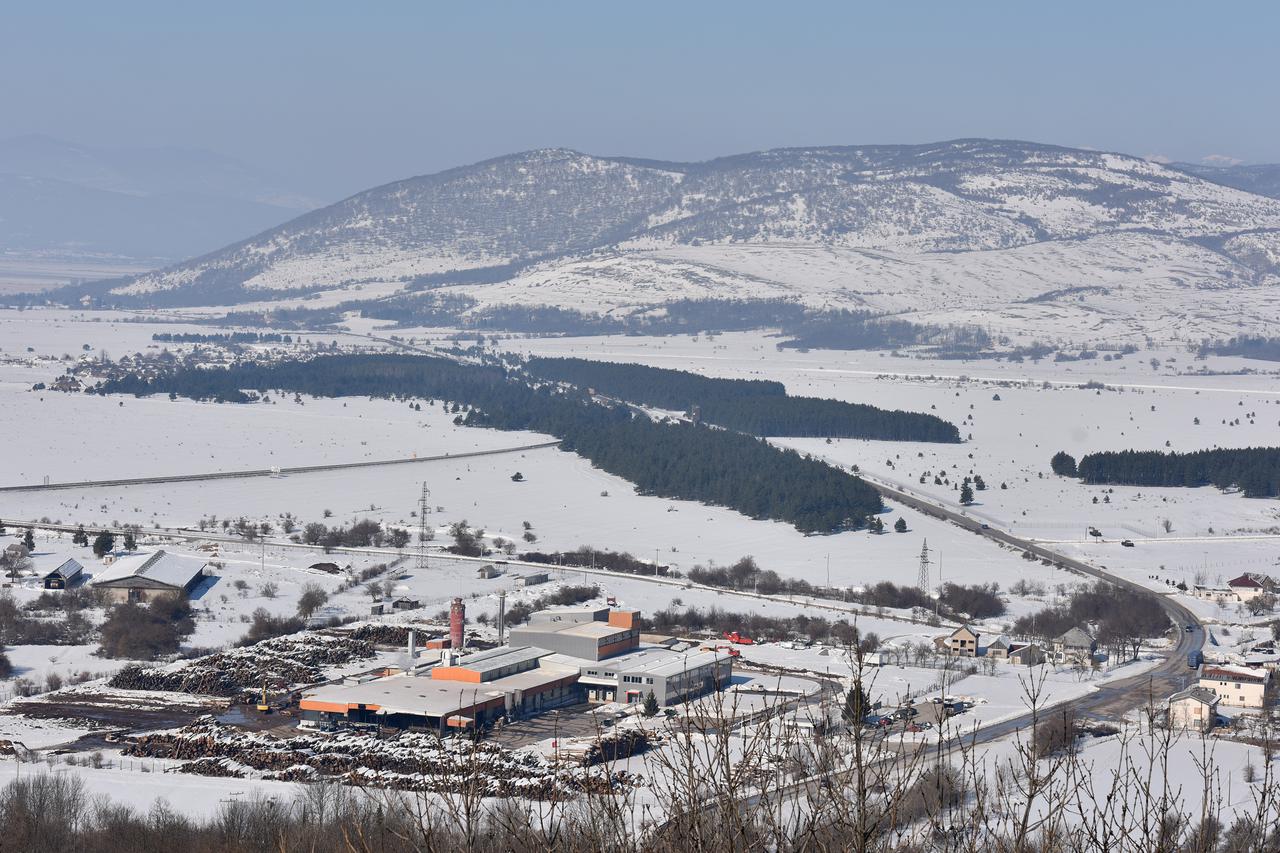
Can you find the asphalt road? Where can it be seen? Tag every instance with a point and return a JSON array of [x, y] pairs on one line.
[[271, 472], [1118, 697]]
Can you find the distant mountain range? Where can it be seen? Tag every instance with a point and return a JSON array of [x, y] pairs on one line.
[[165, 203], [1263, 179], [1027, 238]]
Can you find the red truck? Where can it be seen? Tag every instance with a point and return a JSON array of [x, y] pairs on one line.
[[735, 637]]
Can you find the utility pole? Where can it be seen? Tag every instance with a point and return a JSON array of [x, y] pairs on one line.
[[922, 579], [937, 602], [421, 565]]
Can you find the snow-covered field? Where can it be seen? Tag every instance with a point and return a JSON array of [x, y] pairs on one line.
[[1040, 409]]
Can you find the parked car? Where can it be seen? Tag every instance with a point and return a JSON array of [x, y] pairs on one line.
[[1128, 543]]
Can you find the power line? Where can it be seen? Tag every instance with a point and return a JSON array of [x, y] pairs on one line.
[[421, 565], [922, 580]]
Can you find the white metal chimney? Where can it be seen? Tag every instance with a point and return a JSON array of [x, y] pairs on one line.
[[413, 653]]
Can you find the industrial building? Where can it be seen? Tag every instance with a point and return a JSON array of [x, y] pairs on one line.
[[671, 676], [591, 634], [561, 658], [458, 693], [146, 577]]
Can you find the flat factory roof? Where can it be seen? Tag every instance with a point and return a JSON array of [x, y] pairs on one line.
[[500, 657], [653, 660], [423, 696], [597, 630], [400, 694]]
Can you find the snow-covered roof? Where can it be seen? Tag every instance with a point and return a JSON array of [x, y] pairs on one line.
[[504, 657], [1230, 672], [1074, 637], [1247, 580], [1199, 694], [161, 567], [68, 569]]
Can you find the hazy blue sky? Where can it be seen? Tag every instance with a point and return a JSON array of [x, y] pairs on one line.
[[340, 96]]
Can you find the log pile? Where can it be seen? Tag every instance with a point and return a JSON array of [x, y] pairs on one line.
[[386, 635], [411, 761], [615, 745], [278, 663]]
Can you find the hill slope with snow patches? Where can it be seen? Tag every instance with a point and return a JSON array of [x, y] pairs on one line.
[[1003, 229]]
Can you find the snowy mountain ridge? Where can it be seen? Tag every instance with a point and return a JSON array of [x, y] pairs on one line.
[[556, 226]]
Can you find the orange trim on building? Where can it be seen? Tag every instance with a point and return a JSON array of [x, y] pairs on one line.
[[611, 649], [624, 618], [455, 673], [331, 707]]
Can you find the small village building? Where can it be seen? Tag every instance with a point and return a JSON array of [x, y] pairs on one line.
[[533, 579], [488, 572], [1194, 708], [1219, 595], [963, 641], [405, 603], [1250, 585], [1237, 686], [998, 649], [1026, 654], [64, 576], [147, 577], [1074, 646]]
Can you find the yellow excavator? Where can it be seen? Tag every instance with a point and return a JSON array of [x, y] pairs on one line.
[[264, 707]]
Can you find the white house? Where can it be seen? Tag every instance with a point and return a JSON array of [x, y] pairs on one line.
[[963, 641], [1236, 685], [1250, 585], [1073, 645], [1193, 708]]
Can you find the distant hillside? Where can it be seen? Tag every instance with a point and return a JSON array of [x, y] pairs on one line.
[[1262, 179], [1028, 237]]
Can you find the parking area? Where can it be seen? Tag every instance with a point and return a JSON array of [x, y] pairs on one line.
[[568, 722]]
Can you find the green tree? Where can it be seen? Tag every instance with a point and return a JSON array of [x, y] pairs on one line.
[[80, 537], [900, 525], [29, 539], [966, 494], [650, 705], [856, 705], [398, 538], [1063, 464], [103, 543], [130, 544]]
